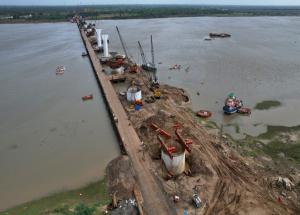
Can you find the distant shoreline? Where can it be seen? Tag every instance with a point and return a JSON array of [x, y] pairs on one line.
[[21, 21], [43, 14], [17, 21]]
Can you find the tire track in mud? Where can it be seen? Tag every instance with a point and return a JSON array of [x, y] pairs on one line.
[[236, 188]]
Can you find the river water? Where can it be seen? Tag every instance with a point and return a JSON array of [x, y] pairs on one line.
[[259, 62], [49, 139]]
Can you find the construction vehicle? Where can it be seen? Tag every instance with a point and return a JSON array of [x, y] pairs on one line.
[[196, 200], [157, 93]]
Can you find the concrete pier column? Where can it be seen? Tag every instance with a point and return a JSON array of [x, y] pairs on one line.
[[99, 37], [105, 45]]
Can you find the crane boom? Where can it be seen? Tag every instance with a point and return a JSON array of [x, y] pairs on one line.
[[142, 53], [152, 52], [122, 42]]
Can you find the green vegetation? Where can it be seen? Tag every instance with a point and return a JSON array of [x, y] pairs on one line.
[[63, 13], [84, 201], [275, 130], [265, 105], [252, 146], [249, 153], [290, 150]]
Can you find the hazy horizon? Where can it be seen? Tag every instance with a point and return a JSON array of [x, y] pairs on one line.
[[149, 2]]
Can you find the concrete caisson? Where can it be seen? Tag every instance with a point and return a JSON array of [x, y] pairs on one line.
[[176, 165], [134, 94]]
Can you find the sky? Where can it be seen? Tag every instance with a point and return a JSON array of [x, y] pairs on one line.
[[89, 2]]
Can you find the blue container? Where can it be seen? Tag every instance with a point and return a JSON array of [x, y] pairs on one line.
[[137, 107]]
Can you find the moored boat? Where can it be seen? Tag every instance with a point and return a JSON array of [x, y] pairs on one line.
[[232, 104], [88, 97], [243, 110], [204, 113], [60, 70]]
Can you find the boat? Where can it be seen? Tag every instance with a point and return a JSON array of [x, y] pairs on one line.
[[243, 110], [204, 113], [232, 104], [88, 97], [229, 110], [176, 66], [207, 38], [221, 35], [84, 54], [60, 70]]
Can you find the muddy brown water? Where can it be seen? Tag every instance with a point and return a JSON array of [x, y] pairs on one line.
[[259, 62], [50, 140]]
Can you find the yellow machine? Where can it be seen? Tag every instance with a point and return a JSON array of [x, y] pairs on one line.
[[157, 93]]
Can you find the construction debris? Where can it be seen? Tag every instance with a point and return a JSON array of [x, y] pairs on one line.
[[284, 182]]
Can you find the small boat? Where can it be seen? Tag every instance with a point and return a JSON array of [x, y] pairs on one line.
[[204, 113], [88, 97], [176, 66], [221, 35], [207, 38], [60, 70], [84, 54], [243, 110]]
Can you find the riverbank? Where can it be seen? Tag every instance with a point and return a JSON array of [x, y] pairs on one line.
[[26, 21], [92, 197]]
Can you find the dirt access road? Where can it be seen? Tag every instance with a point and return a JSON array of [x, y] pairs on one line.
[[155, 201]]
